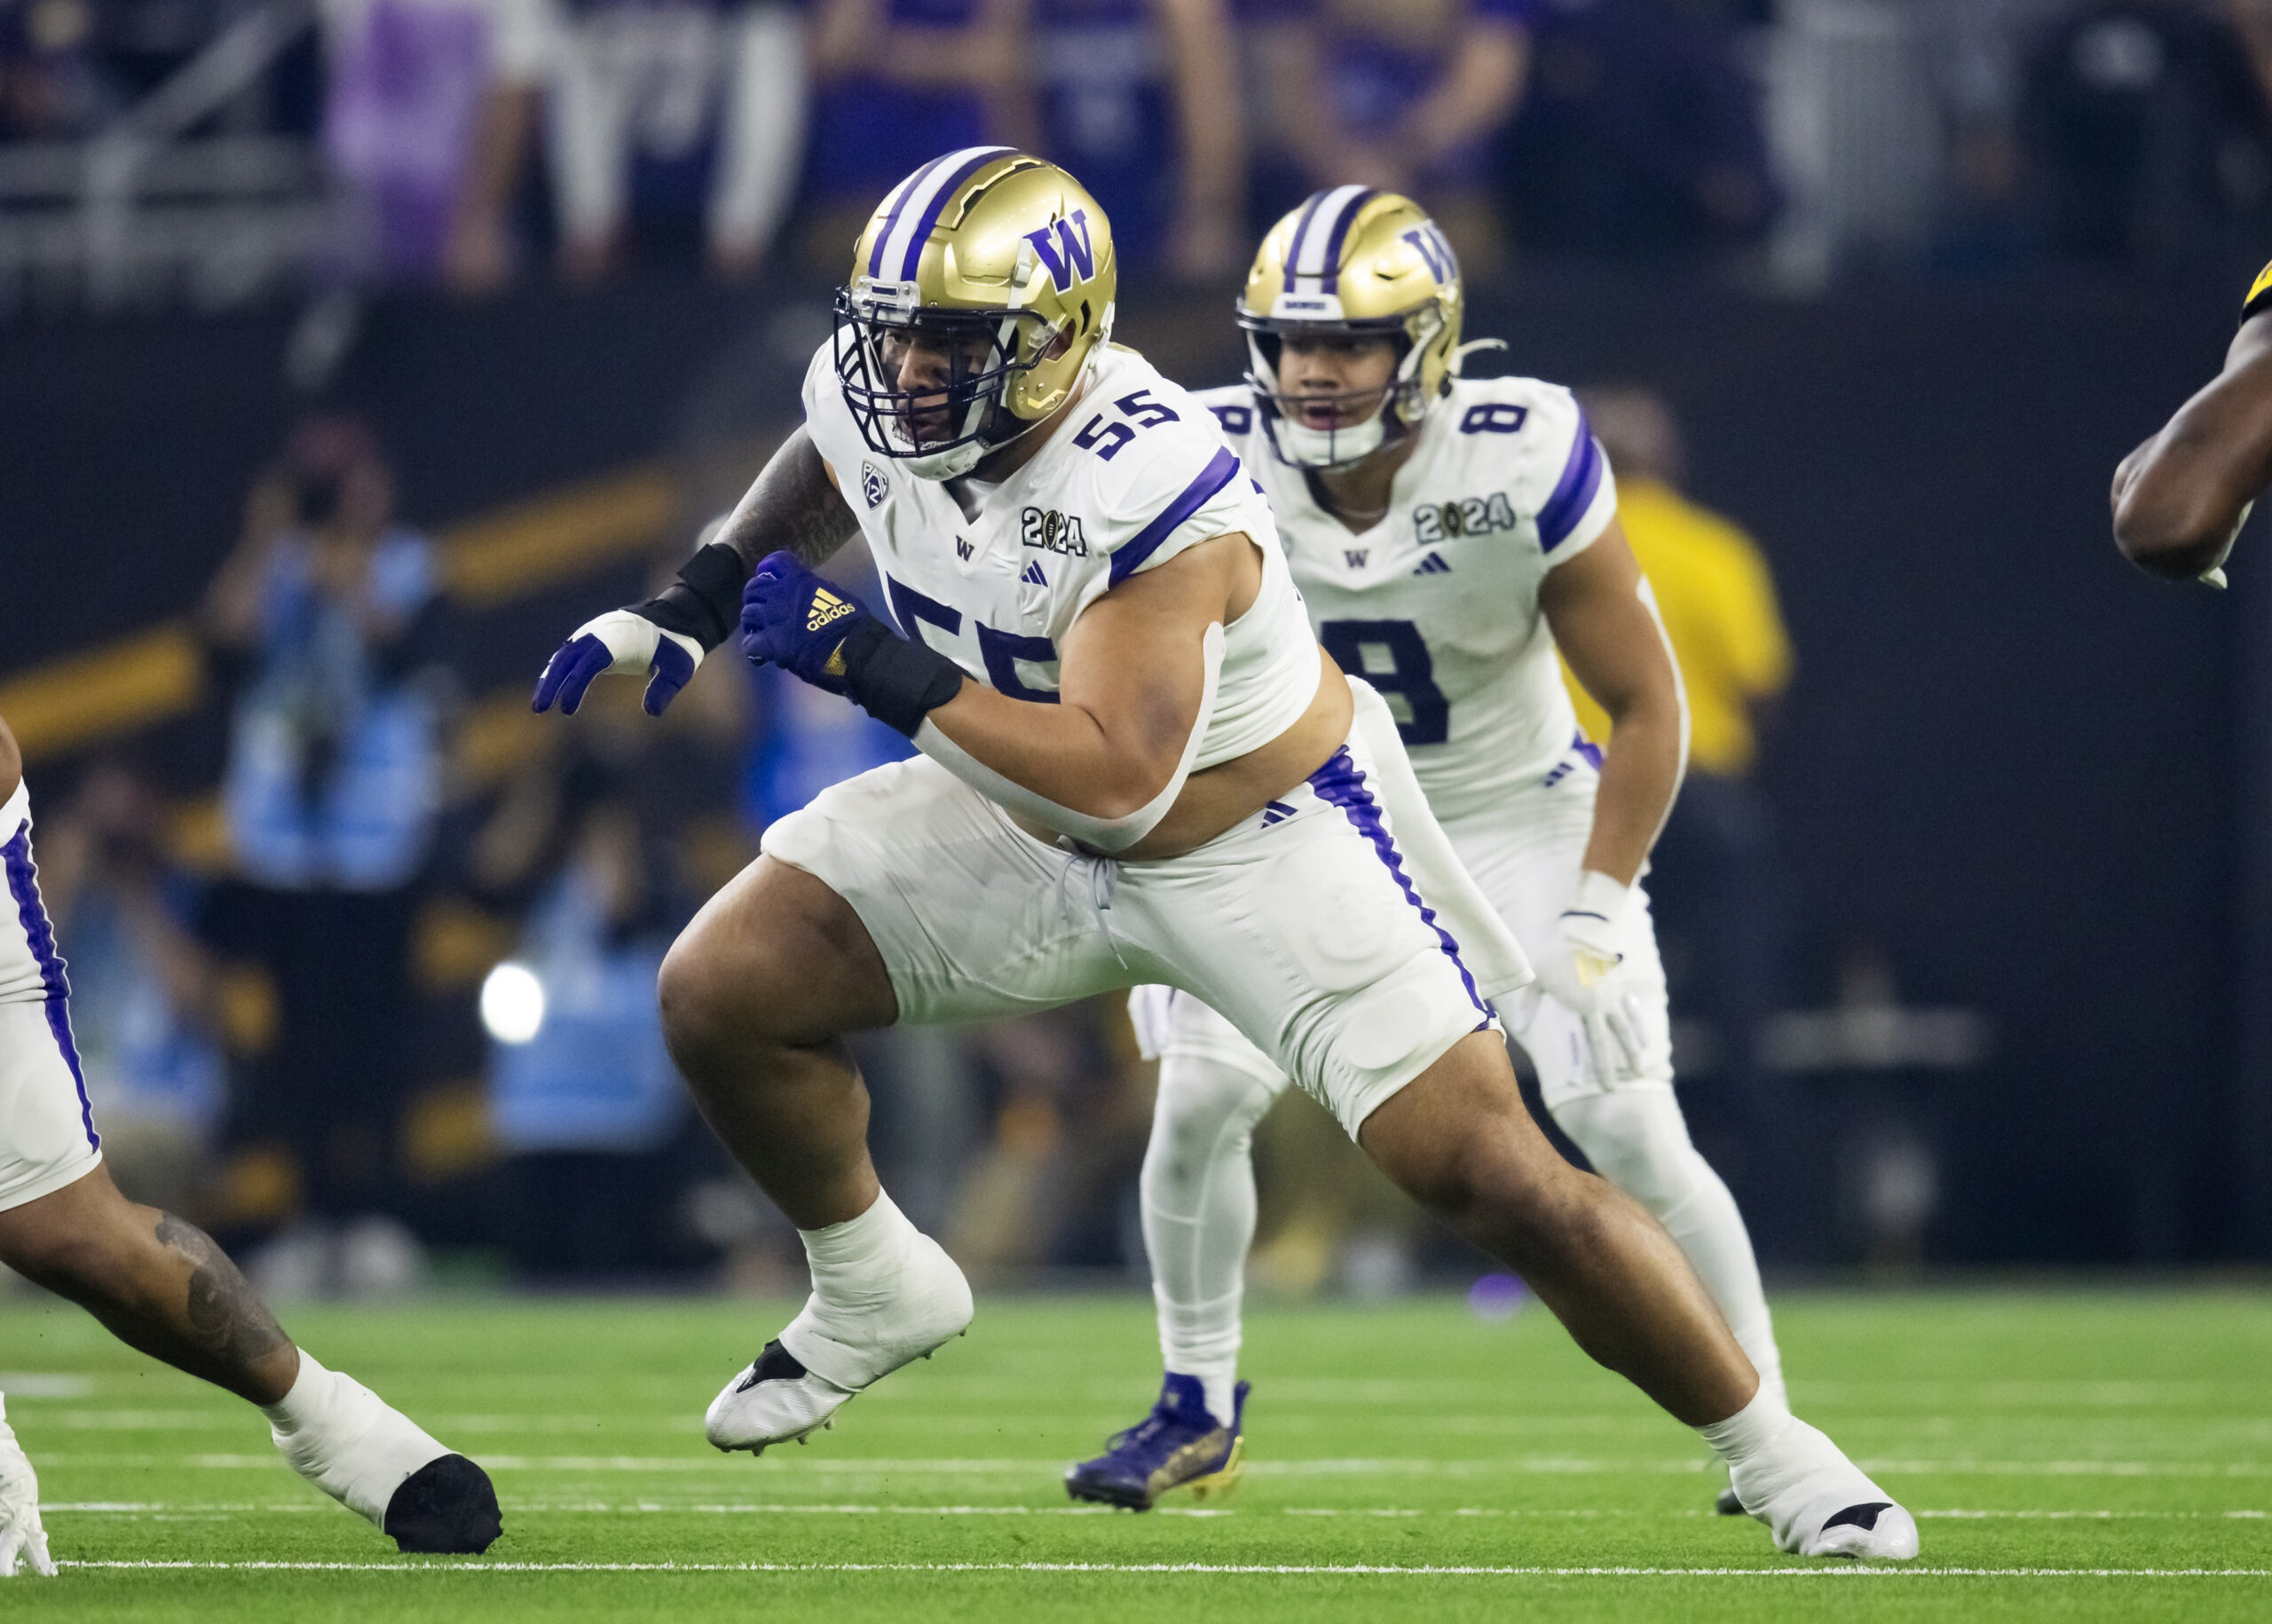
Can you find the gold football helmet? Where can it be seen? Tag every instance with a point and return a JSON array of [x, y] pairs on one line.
[[981, 291], [1353, 263]]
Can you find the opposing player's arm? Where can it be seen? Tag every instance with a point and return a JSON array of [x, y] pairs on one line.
[[792, 507], [2180, 498], [1604, 617], [12, 761]]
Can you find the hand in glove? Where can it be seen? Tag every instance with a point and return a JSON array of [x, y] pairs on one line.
[[1579, 971], [22, 1538], [663, 639]]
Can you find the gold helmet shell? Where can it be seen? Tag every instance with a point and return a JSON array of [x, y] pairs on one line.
[[1004, 251], [1353, 261]]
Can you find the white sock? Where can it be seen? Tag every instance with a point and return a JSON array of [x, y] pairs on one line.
[[1198, 1210], [1753, 1432], [1637, 1140], [343, 1438], [854, 1264]]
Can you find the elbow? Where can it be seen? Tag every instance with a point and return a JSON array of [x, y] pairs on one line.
[[2177, 541]]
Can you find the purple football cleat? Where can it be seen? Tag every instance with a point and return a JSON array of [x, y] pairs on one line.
[[1179, 1446]]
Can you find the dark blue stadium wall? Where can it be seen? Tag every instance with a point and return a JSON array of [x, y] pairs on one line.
[[2009, 762]]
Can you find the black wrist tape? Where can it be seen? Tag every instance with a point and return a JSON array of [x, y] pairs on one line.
[[706, 600], [896, 681]]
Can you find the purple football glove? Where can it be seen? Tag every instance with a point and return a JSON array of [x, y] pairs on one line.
[[624, 641], [798, 621]]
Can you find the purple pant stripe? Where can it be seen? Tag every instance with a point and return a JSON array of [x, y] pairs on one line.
[[1339, 783], [23, 885]]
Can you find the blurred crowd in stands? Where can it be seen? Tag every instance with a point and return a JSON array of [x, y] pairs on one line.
[[470, 143], [393, 985]]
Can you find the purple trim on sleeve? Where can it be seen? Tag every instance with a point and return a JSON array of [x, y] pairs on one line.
[[1587, 748], [1332, 280], [39, 933], [938, 207], [1574, 492], [1196, 495], [1340, 784]]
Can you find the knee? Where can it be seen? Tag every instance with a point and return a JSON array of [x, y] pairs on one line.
[[1635, 1139], [713, 1001]]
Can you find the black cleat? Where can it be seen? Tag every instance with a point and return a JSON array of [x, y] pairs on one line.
[[1727, 1504], [447, 1507]]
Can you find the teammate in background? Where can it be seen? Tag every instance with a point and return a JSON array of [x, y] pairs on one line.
[[1136, 766], [1448, 535], [159, 1284], [2180, 498]]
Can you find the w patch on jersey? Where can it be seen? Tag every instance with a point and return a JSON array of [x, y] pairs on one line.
[[1033, 577], [826, 609], [1433, 564]]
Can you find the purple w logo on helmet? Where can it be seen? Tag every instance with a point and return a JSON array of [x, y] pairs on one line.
[[1068, 255]]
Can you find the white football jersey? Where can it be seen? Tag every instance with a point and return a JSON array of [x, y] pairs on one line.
[[1436, 604], [1135, 474]]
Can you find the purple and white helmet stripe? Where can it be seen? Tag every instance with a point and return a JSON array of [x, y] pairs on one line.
[[914, 208], [1315, 251]]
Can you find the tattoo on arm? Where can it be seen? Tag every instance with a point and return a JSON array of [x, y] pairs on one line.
[[791, 507], [226, 1317]]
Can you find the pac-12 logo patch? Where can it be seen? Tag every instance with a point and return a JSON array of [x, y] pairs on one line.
[[873, 485]]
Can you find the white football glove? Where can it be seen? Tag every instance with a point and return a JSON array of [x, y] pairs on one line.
[[2214, 575], [21, 1538], [627, 644], [1579, 971]]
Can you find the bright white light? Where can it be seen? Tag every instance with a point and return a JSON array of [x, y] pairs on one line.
[[512, 1004]]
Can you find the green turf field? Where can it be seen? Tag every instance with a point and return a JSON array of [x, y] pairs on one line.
[[2070, 1454]]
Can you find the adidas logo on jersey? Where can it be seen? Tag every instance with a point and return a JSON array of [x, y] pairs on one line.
[[1033, 577], [1433, 564], [826, 609]]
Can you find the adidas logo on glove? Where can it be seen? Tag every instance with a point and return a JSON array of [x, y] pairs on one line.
[[826, 607]]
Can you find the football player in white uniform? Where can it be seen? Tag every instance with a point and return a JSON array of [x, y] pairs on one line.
[[1447, 534], [161, 1285], [1136, 765]]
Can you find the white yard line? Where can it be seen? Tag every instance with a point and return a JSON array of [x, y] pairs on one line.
[[1845, 1570], [136, 1508], [816, 1463]]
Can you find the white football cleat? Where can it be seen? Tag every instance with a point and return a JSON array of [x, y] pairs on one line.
[[1818, 1503], [830, 1352], [22, 1539]]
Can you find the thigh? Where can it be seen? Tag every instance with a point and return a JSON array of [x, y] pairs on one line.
[[47, 1132], [970, 917], [1304, 930]]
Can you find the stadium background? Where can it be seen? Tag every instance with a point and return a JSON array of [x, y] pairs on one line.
[[2024, 1005]]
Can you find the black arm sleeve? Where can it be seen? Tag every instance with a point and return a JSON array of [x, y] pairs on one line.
[[705, 602], [896, 681]]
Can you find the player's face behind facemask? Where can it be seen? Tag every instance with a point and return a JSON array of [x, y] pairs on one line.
[[1356, 289], [981, 289]]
